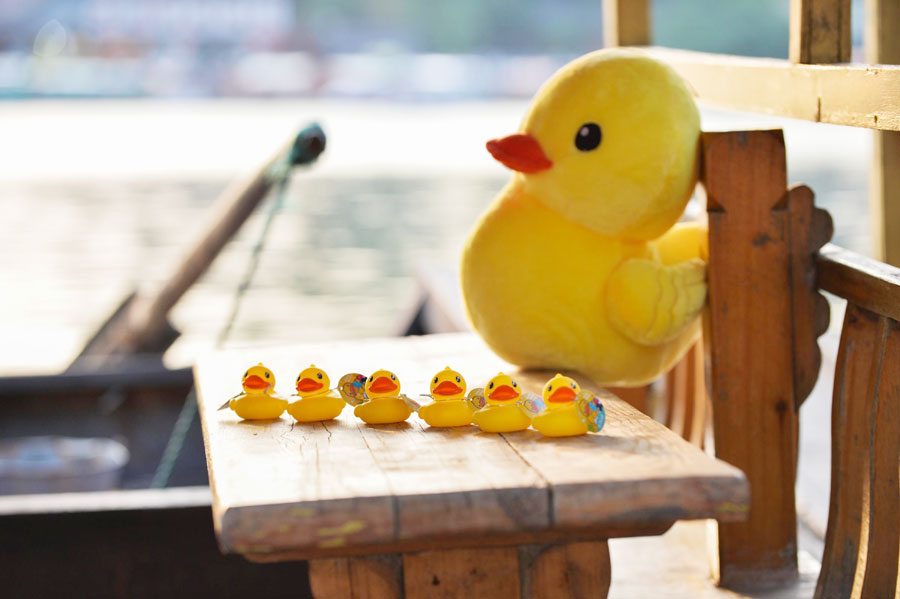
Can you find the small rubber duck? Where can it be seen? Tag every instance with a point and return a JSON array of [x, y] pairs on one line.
[[317, 400], [258, 400], [565, 410], [377, 398], [578, 262], [498, 410], [449, 408]]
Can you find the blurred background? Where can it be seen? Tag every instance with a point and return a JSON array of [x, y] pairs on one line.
[[121, 121]]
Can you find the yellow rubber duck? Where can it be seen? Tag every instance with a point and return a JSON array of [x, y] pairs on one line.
[[576, 264], [317, 400], [560, 418], [450, 408], [258, 401], [384, 404], [501, 413]]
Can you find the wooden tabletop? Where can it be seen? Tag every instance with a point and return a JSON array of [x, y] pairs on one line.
[[285, 490]]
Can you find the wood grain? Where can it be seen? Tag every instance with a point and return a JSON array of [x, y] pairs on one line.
[[372, 577], [462, 573], [855, 95], [860, 280], [570, 571], [855, 381], [626, 22], [685, 397], [744, 175], [810, 229], [819, 31], [285, 490], [883, 547]]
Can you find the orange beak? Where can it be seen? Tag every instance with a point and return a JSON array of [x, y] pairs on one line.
[[304, 385], [255, 382], [520, 152], [562, 395], [447, 388], [504, 392], [382, 385]]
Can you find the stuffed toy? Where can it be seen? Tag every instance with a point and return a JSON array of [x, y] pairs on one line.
[[578, 263]]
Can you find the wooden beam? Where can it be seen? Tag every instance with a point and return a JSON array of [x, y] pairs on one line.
[[854, 95], [883, 46], [820, 31], [752, 370], [626, 23], [860, 280]]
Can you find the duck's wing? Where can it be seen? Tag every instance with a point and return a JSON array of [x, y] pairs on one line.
[[532, 404], [476, 398], [652, 303], [352, 388], [591, 411]]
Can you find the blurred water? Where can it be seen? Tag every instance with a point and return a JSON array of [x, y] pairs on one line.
[[99, 197]]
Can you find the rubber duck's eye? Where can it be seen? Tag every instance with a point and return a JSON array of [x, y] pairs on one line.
[[491, 386], [246, 374], [435, 379], [549, 387], [267, 375], [573, 385], [514, 383], [588, 137], [319, 375], [371, 378], [393, 378], [458, 380]]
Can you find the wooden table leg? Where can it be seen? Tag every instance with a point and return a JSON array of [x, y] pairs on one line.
[[368, 577], [572, 571]]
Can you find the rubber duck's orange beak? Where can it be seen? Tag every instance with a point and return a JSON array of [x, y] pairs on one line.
[[255, 382], [562, 395], [520, 152], [304, 385], [382, 385], [447, 388], [504, 392]]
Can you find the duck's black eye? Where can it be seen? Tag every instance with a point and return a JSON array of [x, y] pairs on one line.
[[458, 380], [435, 379], [573, 385], [491, 386], [319, 375], [393, 378], [514, 383], [246, 374], [588, 137], [371, 378], [267, 375]]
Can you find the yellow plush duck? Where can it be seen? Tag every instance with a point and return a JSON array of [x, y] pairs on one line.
[[258, 400], [560, 416], [317, 400], [450, 408], [499, 410], [576, 264], [377, 398]]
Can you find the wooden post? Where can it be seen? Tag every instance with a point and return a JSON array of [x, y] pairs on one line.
[[752, 370], [626, 23], [883, 47], [819, 31], [368, 577]]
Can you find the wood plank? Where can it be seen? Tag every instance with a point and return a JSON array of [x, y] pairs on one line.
[[627, 487], [810, 229], [819, 31], [744, 175], [285, 491], [883, 553], [860, 280], [883, 46], [859, 354], [373, 577], [626, 22], [462, 573], [855, 95], [570, 571]]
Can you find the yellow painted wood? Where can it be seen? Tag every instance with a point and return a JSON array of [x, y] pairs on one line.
[[854, 95], [819, 31], [626, 22], [287, 490]]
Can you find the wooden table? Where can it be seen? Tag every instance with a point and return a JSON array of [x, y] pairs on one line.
[[407, 510]]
